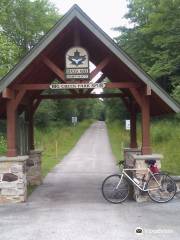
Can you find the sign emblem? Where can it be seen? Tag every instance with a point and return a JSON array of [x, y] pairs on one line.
[[77, 64], [77, 59]]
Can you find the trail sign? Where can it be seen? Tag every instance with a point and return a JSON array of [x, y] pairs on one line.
[[77, 64], [79, 85], [128, 125], [74, 120]]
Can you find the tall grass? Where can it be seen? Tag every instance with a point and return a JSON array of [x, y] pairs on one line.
[[165, 136]]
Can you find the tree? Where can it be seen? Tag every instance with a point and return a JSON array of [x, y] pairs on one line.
[[9, 54], [24, 22], [154, 39]]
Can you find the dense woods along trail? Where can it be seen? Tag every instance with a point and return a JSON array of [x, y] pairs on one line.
[[69, 204]]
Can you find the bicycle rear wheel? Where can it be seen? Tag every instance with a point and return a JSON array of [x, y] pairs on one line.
[[113, 190], [161, 188]]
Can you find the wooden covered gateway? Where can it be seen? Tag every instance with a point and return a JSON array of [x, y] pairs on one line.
[[21, 90]]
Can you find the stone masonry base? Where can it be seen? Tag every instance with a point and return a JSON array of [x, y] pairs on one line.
[[33, 165], [134, 159], [13, 182]]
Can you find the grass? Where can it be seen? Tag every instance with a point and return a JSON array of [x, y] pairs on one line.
[[165, 136], [56, 142]]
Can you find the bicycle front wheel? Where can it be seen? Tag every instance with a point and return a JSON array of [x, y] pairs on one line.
[[115, 189], [161, 188]]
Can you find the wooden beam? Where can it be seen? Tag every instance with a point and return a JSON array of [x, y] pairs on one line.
[[122, 85], [133, 129], [59, 73], [71, 96], [19, 97], [8, 93], [145, 110], [11, 128], [99, 67], [135, 93], [54, 68], [32, 86]]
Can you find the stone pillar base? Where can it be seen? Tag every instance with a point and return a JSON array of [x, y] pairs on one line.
[[129, 160], [13, 183], [33, 165], [129, 163], [139, 163]]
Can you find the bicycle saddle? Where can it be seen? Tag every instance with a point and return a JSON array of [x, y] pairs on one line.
[[150, 161]]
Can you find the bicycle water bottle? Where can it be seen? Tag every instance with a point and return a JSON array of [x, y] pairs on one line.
[[136, 180]]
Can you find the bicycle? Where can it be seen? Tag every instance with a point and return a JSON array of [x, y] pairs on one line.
[[160, 187]]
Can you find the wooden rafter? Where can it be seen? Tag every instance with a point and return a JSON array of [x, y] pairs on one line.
[[54, 68], [59, 72], [99, 67]]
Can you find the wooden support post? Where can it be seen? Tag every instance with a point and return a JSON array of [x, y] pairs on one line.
[[31, 127], [133, 132], [11, 128], [11, 111], [145, 110]]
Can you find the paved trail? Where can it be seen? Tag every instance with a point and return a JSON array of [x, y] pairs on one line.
[[69, 205]]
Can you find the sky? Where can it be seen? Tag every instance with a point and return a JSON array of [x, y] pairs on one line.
[[106, 13]]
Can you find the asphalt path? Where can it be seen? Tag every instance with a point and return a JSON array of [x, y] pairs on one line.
[[69, 205]]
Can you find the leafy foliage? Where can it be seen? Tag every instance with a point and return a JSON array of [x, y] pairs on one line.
[[8, 56], [62, 111], [22, 24], [154, 40], [26, 21]]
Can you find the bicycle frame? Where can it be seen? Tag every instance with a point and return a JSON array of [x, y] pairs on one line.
[[144, 189]]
